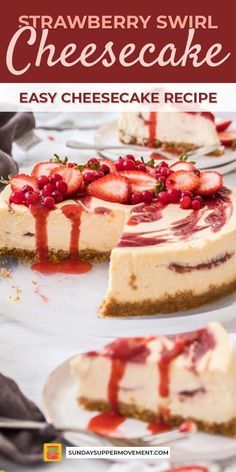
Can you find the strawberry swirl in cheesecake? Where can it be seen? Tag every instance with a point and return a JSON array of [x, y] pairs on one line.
[[170, 231]]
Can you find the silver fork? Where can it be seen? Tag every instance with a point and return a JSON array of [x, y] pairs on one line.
[[101, 147], [148, 439]]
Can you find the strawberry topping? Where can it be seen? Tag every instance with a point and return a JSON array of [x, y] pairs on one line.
[[183, 165], [139, 181], [227, 138], [43, 168], [112, 187], [223, 125], [210, 183], [183, 180], [24, 182]]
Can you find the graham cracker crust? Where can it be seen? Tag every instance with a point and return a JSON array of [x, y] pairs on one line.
[[55, 256], [168, 146], [181, 301], [133, 411]]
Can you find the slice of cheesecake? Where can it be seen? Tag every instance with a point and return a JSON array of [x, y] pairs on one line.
[[188, 376], [174, 131]]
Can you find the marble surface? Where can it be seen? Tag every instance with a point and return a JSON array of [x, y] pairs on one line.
[[28, 355]]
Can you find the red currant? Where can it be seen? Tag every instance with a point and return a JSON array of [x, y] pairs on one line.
[[196, 204], [42, 180], [147, 196], [130, 157], [129, 165], [141, 167], [27, 188], [199, 198], [163, 198], [105, 169], [136, 198], [56, 178], [162, 164], [162, 179], [90, 176], [185, 203], [165, 171], [31, 198], [57, 196], [93, 161], [174, 195], [48, 189], [17, 197], [48, 202], [186, 193]]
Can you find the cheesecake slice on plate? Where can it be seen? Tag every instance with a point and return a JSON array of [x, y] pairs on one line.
[[174, 131], [175, 378]]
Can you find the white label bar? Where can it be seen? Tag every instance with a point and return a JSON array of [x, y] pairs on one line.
[[100, 97], [114, 453]]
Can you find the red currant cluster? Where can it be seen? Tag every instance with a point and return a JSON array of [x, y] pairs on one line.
[[51, 191], [187, 200], [94, 170], [128, 162]]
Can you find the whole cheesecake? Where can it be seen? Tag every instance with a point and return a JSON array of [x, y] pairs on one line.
[[170, 232], [190, 376]]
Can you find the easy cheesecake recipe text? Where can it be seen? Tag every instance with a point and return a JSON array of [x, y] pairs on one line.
[[37, 38]]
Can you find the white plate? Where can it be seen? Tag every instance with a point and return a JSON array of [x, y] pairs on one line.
[[107, 134], [68, 305], [60, 407]]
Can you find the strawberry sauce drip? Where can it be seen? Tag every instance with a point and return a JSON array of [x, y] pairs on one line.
[[106, 423], [152, 123], [71, 265], [117, 372], [40, 215], [158, 426], [200, 342], [121, 351]]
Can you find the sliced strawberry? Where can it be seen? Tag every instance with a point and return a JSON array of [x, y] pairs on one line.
[[71, 176], [43, 168], [109, 163], [21, 180], [183, 180], [227, 137], [183, 165], [223, 125], [111, 187], [210, 182], [139, 180]]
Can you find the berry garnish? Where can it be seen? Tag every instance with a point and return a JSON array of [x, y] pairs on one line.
[[210, 183], [111, 187], [20, 181], [183, 180], [71, 176], [185, 203], [174, 195], [48, 202], [196, 204], [47, 190], [105, 169], [183, 165], [129, 165], [90, 177], [108, 163], [31, 198], [139, 180], [17, 197], [43, 168], [135, 198], [164, 198], [56, 178], [223, 125], [42, 180], [57, 196], [147, 196]]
